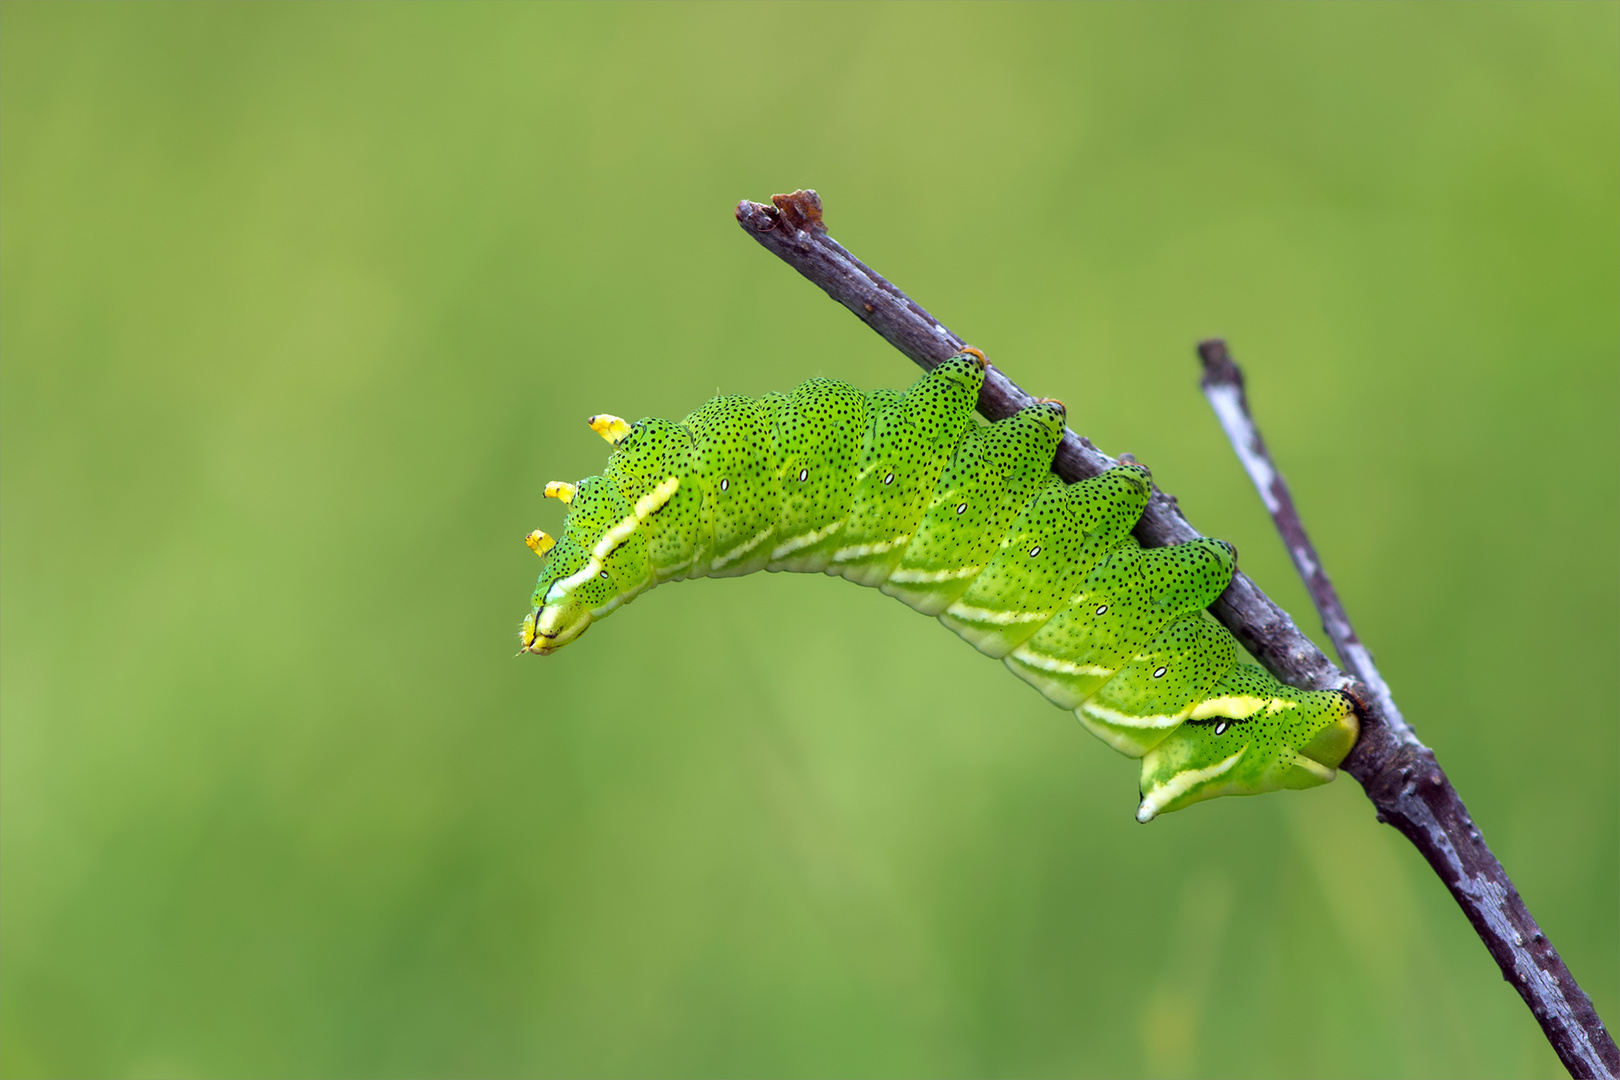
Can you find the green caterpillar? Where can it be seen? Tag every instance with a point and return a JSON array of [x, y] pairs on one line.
[[963, 521]]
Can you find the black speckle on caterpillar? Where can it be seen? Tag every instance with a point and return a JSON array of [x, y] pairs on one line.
[[906, 493]]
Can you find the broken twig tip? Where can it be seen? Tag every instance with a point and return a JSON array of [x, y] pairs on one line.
[[756, 216], [1219, 367]]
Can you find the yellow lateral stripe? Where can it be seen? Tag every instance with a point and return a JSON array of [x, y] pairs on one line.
[[1315, 768], [1232, 707]]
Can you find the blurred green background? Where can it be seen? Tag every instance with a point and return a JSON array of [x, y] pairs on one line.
[[301, 305]]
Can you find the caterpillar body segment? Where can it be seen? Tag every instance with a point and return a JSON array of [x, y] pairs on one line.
[[906, 492]]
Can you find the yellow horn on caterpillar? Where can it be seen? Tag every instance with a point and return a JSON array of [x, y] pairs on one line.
[[539, 542], [610, 427], [560, 489]]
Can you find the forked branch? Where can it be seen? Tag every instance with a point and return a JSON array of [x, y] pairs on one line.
[[1400, 774], [1403, 779]]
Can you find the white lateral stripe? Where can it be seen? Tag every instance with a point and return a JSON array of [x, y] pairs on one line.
[[592, 567], [723, 561], [998, 618], [1024, 654], [930, 577], [611, 539], [670, 571], [1119, 719], [1181, 783], [860, 551], [804, 540]]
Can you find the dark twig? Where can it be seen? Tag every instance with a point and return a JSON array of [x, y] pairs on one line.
[[1398, 773], [1223, 386], [792, 230], [1404, 781]]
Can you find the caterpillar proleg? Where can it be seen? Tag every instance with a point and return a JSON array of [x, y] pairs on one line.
[[965, 522]]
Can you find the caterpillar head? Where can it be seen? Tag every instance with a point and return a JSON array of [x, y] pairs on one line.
[[562, 609], [601, 560], [1252, 735]]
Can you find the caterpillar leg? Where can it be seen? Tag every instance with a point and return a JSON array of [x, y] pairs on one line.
[[1251, 735]]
